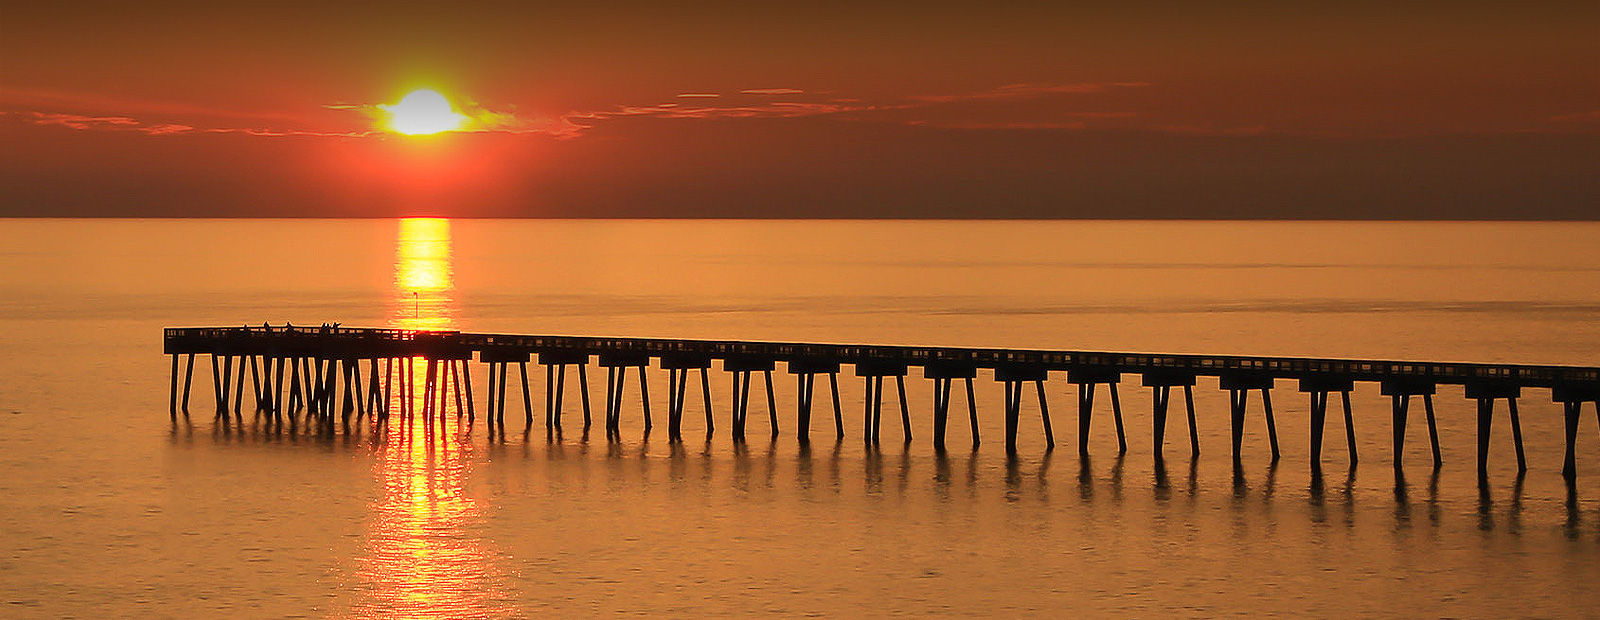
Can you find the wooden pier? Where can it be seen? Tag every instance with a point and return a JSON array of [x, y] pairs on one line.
[[319, 370]]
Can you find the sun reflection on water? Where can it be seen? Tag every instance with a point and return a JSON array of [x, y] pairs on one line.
[[421, 559]]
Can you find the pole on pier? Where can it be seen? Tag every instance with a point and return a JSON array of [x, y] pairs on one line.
[[772, 404], [1116, 416], [803, 388], [527, 399], [1194, 432], [743, 411], [674, 406], [1044, 417], [1086, 379], [1569, 465], [1237, 399], [1349, 427], [457, 368], [1399, 403], [549, 395], [188, 376], [1013, 408], [838, 412], [1319, 417], [1485, 420], [583, 384], [1433, 430], [216, 384], [1159, 397], [1161, 384], [490, 404], [388, 387], [866, 403], [561, 388], [613, 390], [172, 394], [500, 398], [1272, 424], [1239, 385], [905, 409], [1486, 392], [972, 412], [255, 383], [1516, 434], [644, 396], [941, 410], [466, 380]]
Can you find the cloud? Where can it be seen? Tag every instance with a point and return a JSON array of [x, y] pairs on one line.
[[1578, 117], [114, 123], [347, 119], [768, 110], [1024, 91]]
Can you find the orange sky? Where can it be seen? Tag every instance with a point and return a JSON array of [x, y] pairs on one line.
[[1126, 109]]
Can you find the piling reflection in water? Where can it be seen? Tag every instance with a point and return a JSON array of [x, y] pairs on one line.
[[421, 560]]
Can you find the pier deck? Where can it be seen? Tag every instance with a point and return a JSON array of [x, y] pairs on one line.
[[318, 356]]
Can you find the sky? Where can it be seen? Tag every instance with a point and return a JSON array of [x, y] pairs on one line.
[[1132, 109]]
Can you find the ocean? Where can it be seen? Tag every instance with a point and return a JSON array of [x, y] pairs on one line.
[[108, 509]]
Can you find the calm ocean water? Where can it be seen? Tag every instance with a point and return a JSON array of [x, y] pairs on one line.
[[107, 510]]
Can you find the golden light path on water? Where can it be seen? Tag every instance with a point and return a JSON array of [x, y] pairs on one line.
[[420, 559]]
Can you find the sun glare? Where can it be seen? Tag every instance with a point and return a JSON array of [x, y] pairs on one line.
[[423, 112]]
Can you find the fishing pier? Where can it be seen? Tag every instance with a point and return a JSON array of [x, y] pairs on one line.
[[319, 370]]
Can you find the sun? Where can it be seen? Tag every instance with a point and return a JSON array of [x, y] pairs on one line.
[[423, 112]]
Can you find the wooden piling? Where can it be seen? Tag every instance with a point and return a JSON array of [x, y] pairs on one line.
[[188, 376], [583, 384], [1159, 397], [1485, 418], [1516, 434], [905, 409], [772, 404], [1399, 404], [1319, 416], [1194, 431], [1349, 427], [644, 397], [1569, 465], [1013, 408], [527, 399], [838, 412], [172, 394]]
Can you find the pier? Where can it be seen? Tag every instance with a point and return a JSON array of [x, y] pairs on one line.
[[319, 370]]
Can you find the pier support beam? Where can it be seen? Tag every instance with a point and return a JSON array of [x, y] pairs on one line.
[[873, 373], [1086, 378], [678, 367], [943, 375], [1320, 388], [1239, 386], [1161, 385], [741, 369], [617, 365], [1572, 398], [1486, 393], [805, 373], [1400, 392], [555, 375], [1014, 377]]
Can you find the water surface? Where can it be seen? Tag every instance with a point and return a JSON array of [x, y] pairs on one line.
[[110, 511]]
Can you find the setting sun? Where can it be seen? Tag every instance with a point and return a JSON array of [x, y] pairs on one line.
[[423, 112]]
